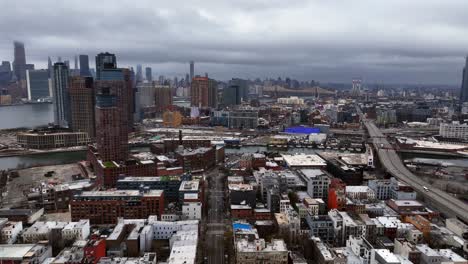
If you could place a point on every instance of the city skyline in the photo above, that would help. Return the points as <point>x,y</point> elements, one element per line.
<point>259,39</point>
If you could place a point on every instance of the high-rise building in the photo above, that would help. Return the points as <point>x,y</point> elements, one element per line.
<point>243,88</point>
<point>187,80</point>
<point>232,95</point>
<point>212,93</point>
<point>149,74</point>
<point>61,97</point>
<point>82,104</point>
<point>112,115</point>
<point>105,61</point>
<point>50,67</point>
<point>357,87</point>
<point>139,73</point>
<point>162,97</point>
<point>38,84</point>
<point>84,65</point>
<point>464,86</point>
<point>192,70</point>
<point>5,73</point>
<point>76,63</point>
<point>204,92</point>
<point>19,63</point>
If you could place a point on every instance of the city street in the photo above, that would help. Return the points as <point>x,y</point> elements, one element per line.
<point>215,220</point>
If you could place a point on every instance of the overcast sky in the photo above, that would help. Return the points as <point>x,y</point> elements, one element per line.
<point>397,41</point>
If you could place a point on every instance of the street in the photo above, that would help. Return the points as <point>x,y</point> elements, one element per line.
<point>215,220</point>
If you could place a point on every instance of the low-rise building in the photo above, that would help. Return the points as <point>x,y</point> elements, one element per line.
<point>317,181</point>
<point>321,226</point>
<point>258,251</point>
<point>40,231</point>
<point>382,188</point>
<point>242,194</point>
<point>76,230</point>
<point>26,216</point>
<point>360,193</point>
<point>429,255</point>
<point>304,161</point>
<point>50,139</point>
<point>457,227</point>
<point>197,159</point>
<point>10,232</point>
<point>105,207</point>
<point>25,253</point>
<point>169,184</point>
<point>192,210</point>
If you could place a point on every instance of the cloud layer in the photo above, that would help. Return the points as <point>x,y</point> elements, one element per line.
<point>418,41</point>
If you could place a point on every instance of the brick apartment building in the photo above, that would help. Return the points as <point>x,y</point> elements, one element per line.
<point>105,207</point>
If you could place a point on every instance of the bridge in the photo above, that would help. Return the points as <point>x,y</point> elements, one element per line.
<point>438,199</point>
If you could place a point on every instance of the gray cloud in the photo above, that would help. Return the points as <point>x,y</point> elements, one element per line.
<point>418,41</point>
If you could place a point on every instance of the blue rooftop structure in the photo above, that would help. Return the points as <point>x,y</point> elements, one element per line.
<point>237,226</point>
<point>302,130</point>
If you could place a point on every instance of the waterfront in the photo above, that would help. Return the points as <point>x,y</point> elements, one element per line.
<point>42,159</point>
<point>26,115</point>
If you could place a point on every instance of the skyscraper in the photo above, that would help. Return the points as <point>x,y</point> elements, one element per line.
<point>149,74</point>
<point>163,97</point>
<point>19,63</point>
<point>61,97</point>
<point>38,84</point>
<point>112,116</point>
<point>76,62</point>
<point>84,65</point>
<point>357,86</point>
<point>50,67</point>
<point>139,73</point>
<point>243,88</point>
<point>204,92</point>
<point>5,73</point>
<point>232,95</point>
<point>464,86</point>
<point>82,104</point>
<point>192,70</point>
<point>105,61</point>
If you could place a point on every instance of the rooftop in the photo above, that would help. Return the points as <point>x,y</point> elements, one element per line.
<point>388,256</point>
<point>304,160</point>
<point>312,173</point>
<point>119,193</point>
<point>148,179</point>
<point>426,250</point>
<point>358,189</point>
<point>240,187</point>
<point>450,255</point>
<point>189,186</point>
<point>407,203</point>
<point>14,252</point>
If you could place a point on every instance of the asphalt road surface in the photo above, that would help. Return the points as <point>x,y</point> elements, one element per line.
<point>442,201</point>
<point>215,226</point>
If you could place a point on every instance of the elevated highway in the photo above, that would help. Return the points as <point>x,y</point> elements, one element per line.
<point>438,199</point>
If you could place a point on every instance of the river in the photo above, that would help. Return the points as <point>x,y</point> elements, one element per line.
<point>70,157</point>
<point>27,115</point>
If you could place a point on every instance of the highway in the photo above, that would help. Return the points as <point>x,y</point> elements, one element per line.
<point>215,227</point>
<point>438,199</point>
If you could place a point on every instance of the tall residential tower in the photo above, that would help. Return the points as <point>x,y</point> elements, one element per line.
<point>464,86</point>
<point>61,97</point>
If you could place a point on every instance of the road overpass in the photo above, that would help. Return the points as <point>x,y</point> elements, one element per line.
<point>438,199</point>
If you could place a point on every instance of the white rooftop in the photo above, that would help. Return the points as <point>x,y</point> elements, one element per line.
<point>15,252</point>
<point>304,160</point>
<point>189,186</point>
